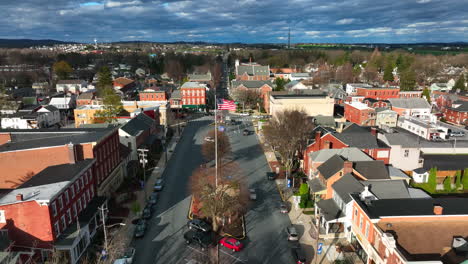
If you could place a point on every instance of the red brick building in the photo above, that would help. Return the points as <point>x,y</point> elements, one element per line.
<point>262,88</point>
<point>359,113</point>
<point>411,230</point>
<point>85,99</point>
<point>457,113</point>
<point>252,72</point>
<point>193,95</point>
<point>153,94</point>
<point>410,94</point>
<point>42,213</point>
<point>352,136</point>
<point>27,152</point>
<point>378,93</point>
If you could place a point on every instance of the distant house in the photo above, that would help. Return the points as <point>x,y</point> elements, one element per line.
<point>263,88</point>
<point>176,99</point>
<point>378,93</point>
<point>40,87</point>
<point>203,78</point>
<point>63,103</point>
<point>457,113</point>
<point>252,72</point>
<point>298,76</point>
<point>37,117</point>
<point>71,86</point>
<point>138,131</point>
<point>385,117</point>
<point>351,88</point>
<point>153,94</point>
<point>410,94</point>
<point>417,107</point>
<point>85,99</point>
<point>124,84</point>
<point>443,87</point>
<point>295,85</point>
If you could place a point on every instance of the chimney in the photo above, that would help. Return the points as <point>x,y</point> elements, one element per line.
<point>19,197</point>
<point>71,153</point>
<point>347,167</point>
<point>373,131</point>
<point>318,134</point>
<point>438,210</point>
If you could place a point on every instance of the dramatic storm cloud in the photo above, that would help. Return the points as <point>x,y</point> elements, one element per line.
<point>237,20</point>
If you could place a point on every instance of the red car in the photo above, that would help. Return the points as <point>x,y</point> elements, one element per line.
<point>231,243</point>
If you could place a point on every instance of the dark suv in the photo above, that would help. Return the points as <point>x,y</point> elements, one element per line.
<point>198,224</point>
<point>202,239</point>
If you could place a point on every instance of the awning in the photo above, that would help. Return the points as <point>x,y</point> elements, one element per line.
<point>329,210</point>
<point>194,106</point>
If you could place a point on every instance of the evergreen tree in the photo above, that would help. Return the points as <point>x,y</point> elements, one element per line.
<point>280,83</point>
<point>104,80</point>
<point>458,183</point>
<point>112,106</point>
<point>432,181</point>
<point>388,73</point>
<point>448,184</point>
<point>407,80</point>
<point>427,94</point>
<point>460,84</point>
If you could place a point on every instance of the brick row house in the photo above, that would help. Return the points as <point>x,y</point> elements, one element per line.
<point>354,135</point>
<point>457,113</point>
<point>360,113</point>
<point>378,93</point>
<point>193,95</point>
<point>65,168</point>
<point>252,72</point>
<point>414,230</point>
<point>153,94</point>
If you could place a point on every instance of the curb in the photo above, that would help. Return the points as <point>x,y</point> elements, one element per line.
<point>243,231</point>
<point>190,214</point>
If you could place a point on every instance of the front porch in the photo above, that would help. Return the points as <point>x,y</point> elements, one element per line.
<point>73,242</point>
<point>330,220</point>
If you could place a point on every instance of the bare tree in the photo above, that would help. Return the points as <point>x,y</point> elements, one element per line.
<point>344,73</point>
<point>224,147</point>
<point>224,201</point>
<point>216,74</point>
<point>288,133</point>
<point>248,98</point>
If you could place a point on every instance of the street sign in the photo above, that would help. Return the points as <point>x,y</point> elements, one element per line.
<point>221,128</point>
<point>289,183</point>
<point>319,248</point>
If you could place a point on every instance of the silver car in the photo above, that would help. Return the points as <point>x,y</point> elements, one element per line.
<point>292,233</point>
<point>253,194</point>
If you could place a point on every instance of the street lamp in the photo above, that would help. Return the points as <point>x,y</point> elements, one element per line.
<point>163,141</point>
<point>142,153</point>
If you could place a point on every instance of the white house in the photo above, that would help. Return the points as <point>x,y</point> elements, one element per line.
<point>72,86</point>
<point>295,85</point>
<point>63,103</point>
<point>51,113</point>
<point>298,76</point>
<point>45,116</point>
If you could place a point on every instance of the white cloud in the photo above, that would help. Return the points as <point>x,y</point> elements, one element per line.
<point>282,38</point>
<point>345,21</point>
<point>422,24</point>
<point>312,33</point>
<point>176,6</point>
<point>423,1</point>
<point>119,4</point>
<point>331,36</point>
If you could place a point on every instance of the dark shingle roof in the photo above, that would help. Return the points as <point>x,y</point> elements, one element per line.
<point>462,108</point>
<point>445,162</point>
<point>139,123</point>
<point>251,84</point>
<point>331,166</point>
<point>412,206</point>
<point>329,209</point>
<point>391,189</point>
<point>253,70</point>
<point>359,137</point>
<point>85,96</point>
<point>372,170</point>
<point>346,185</point>
<point>58,173</point>
<point>51,108</point>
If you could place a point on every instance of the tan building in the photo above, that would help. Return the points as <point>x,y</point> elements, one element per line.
<point>86,114</point>
<point>313,102</point>
<point>386,118</point>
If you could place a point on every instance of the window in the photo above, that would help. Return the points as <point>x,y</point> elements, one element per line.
<point>406,153</point>
<point>360,223</point>
<point>72,188</point>
<point>83,198</point>
<point>54,209</point>
<point>67,199</point>
<point>92,191</point>
<point>75,212</point>
<point>69,215</point>
<point>56,229</point>
<point>367,229</point>
<point>64,224</point>
<point>60,202</point>
<point>88,196</point>
<point>2,216</point>
<point>86,178</point>
<point>81,183</point>
<point>79,205</point>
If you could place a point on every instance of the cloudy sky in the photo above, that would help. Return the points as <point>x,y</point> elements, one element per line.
<point>248,21</point>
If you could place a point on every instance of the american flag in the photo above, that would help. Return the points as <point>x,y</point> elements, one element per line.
<point>224,104</point>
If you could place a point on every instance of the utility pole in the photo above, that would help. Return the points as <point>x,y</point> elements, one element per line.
<point>104,227</point>
<point>216,142</point>
<point>142,154</point>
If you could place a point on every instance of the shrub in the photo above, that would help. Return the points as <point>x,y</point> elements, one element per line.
<point>304,189</point>
<point>448,184</point>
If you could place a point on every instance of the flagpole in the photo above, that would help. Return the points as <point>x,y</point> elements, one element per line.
<point>216,142</point>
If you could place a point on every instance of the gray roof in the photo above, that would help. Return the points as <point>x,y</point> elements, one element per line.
<point>413,140</point>
<point>359,137</point>
<point>397,173</point>
<point>291,84</point>
<point>462,108</point>
<point>327,121</point>
<point>37,138</point>
<point>71,82</point>
<point>47,183</point>
<point>85,96</point>
<point>253,70</point>
<point>141,122</point>
<point>331,166</point>
<point>316,185</point>
<point>398,139</point>
<point>251,84</point>
<point>391,189</point>
<point>373,169</point>
<point>418,193</point>
<point>199,77</point>
<point>409,103</point>
<point>51,108</point>
<point>329,209</point>
<point>346,185</point>
<point>192,85</point>
<point>176,94</point>
<point>351,154</point>
<point>445,162</point>
<point>300,75</point>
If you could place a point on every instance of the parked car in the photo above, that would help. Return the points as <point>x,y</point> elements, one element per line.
<point>457,134</point>
<point>292,233</point>
<point>233,122</point>
<point>271,176</point>
<point>158,186</point>
<point>199,224</point>
<point>202,239</point>
<point>140,228</point>
<point>298,254</point>
<point>284,208</point>
<point>231,243</point>
<point>209,139</point>
<point>253,194</point>
<point>153,199</point>
<point>437,138</point>
<point>245,132</point>
<point>127,257</point>
<point>147,213</point>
